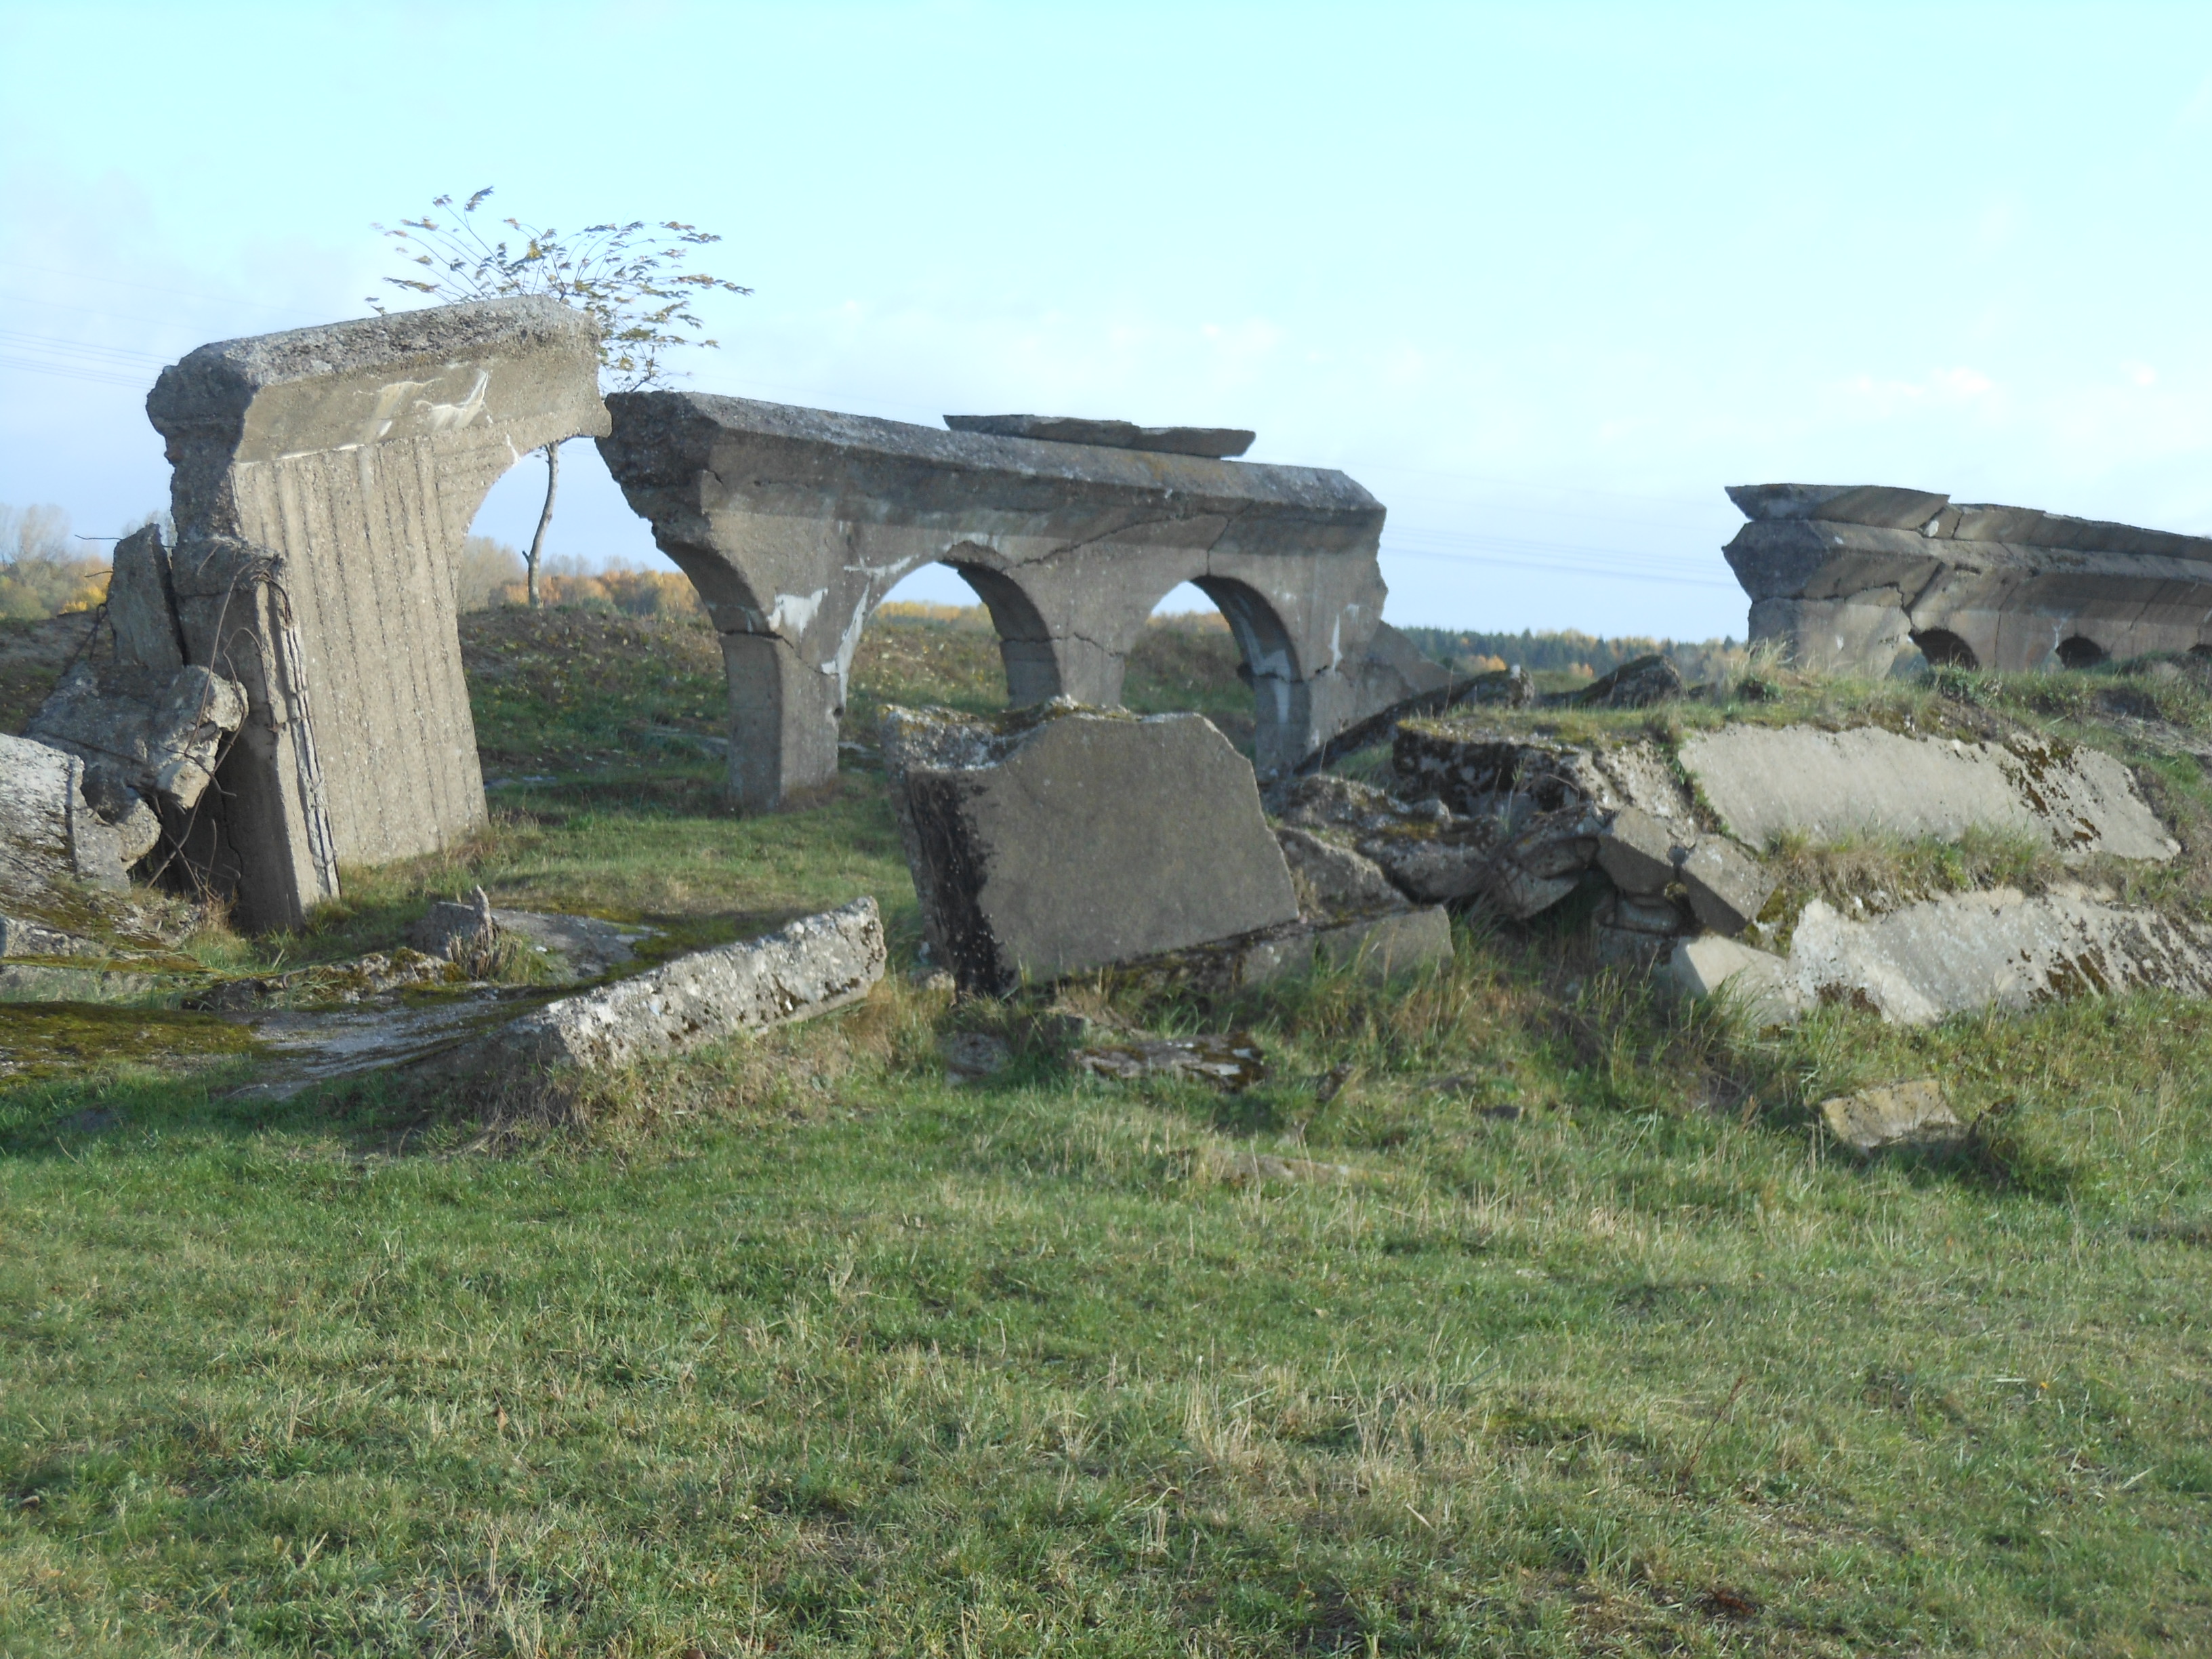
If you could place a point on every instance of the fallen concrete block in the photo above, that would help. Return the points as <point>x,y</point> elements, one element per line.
<point>50,835</point>
<point>1334,880</point>
<point>324,480</point>
<point>1637,684</point>
<point>152,733</point>
<point>1768,780</point>
<point>811,967</point>
<point>1900,1115</point>
<point>1727,887</point>
<point>1638,852</point>
<point>1062,839</point>
<point>1761,982</point>
<point>1380,948</point>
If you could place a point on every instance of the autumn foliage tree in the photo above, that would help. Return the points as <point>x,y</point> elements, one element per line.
<point>631,278</point>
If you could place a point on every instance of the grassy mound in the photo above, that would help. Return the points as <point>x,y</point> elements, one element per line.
<point>1512,1313</point>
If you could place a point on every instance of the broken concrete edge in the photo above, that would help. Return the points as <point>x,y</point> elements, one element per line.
<point>1509,685</point>
<point>814,965</point>
<point>1214,442</point>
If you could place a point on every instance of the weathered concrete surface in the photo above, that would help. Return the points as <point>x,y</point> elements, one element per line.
<point>1954,955</point>
<point>1333,880</point>
<point>793,523</point>
<point>1765,781</point>
<point>811,967</point>
<point>1899,1115</point>
<point>150,734</point>
<point>1064,839</point>
<point>1374,948</point>
<point>573,947</point>
<point>50,835</point>
<point>1215,442</point>
<point>1843,578</point>
<point>325,479</point>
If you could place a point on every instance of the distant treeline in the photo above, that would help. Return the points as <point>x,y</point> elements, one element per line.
<point>1570,652</point>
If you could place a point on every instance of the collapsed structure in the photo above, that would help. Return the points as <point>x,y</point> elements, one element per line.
<point>1843,578</point>
<point>793,523</point>
<point>325,479</point>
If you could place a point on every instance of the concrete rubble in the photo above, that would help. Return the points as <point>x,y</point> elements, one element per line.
<point>1055,840</point>
<point>325,479</point>
<point>793,523</point>
<point>812,966</point>
<point>1845,578</point>
<point>53,833</point>
<point>1899,1115</point>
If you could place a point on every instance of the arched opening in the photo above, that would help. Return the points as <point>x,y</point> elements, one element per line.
<point>934,639</point>
<point>1944,649</point>
<point>2078,651</point>
<point>1216,647</point>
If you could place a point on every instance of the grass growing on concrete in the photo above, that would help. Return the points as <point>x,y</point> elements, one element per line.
<point>793,1347</point>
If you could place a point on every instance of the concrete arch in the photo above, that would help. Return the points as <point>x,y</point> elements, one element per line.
<point>1944,649</point>
<point>2078,651</point>
<point>804,519</point>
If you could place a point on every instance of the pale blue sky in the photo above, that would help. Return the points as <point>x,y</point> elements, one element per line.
<point>1543,277</point>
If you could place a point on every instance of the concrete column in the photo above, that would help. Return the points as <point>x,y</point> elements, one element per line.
<point>783,724</point>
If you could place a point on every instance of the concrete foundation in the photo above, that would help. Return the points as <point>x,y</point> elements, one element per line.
<point>793,523</point>
<point>324,480</point>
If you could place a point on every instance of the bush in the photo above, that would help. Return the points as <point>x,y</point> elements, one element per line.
<point>42,575</point>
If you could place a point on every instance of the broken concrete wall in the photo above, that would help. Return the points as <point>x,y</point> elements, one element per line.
<point>793,523</point>
<point>1843,578</point>
<point>1063,839</point>
<point>324,480</point>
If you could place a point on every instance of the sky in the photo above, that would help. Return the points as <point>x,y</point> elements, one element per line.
<point>1543,277</point>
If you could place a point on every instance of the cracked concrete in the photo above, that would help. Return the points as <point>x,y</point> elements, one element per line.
<point>1068,545</point>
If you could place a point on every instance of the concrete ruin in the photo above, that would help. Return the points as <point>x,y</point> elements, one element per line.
<point>325,479</point>
<point>1066,839</point>
<point>793,523</point>
<point>1844,578</point>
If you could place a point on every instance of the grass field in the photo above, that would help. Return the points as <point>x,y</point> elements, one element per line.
<point>795,1348</point>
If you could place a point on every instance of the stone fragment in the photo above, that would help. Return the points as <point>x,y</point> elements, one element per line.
<point>1901,1115</point>
<point>50,835</point>
<point>325,479</point>
<point>1638,851</point>
<point>1334,880</point>
<point>1064,839</point>
<point>1761,982</point>
<point>972,1055</point>
<point>814,965</point>
<point>1232,1062</point>
<point>1215,442</point>
<point>1727,886</point>
<point>149,733</point>
<point>1766,780</point>
<point>1637,684</point>
<point>577,947</point>
<point>142,607</point>
<point>794,523</point>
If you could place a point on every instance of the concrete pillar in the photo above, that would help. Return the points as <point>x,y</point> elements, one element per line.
<point>324,480</point>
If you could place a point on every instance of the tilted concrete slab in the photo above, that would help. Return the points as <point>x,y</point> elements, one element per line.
<point>1844,578</point>
<point>793,523</point>
<point>324,480</point>
<point>1045,844</point>
<point>1763,782</point>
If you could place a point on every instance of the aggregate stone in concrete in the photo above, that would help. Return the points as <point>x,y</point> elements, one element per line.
<point>325,479</point>
<point>1898,1114</point>
<point>1066,839</point>
<point>1216,442</point>
<point>1763,782</point>
<point>812,966</point>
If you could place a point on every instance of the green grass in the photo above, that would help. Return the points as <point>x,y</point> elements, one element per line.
<point>793,1348</point>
